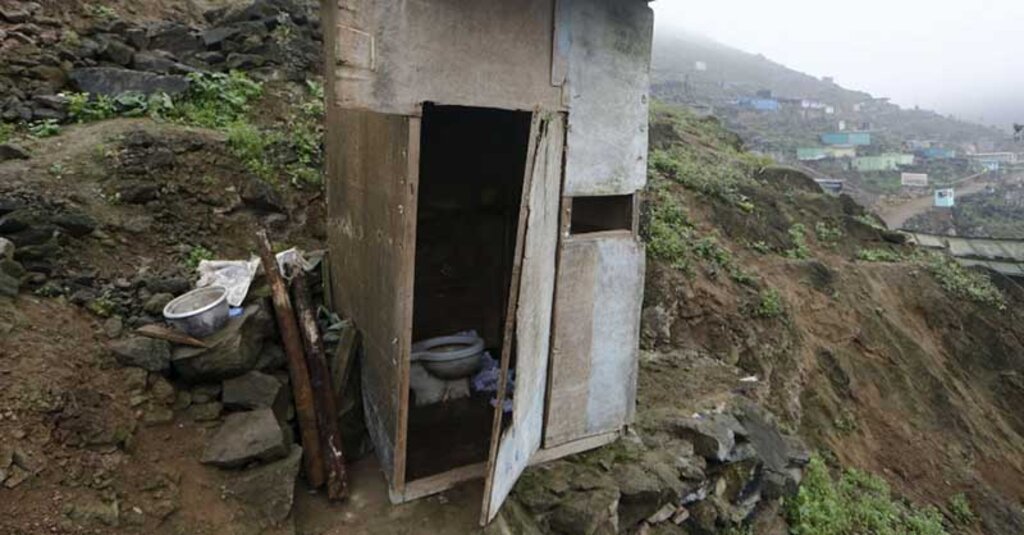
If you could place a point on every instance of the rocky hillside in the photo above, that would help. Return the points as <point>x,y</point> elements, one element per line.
<point>899,369</point>
<point>803,371</point>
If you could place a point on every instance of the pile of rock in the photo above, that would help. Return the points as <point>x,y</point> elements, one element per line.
<point>696,475</point>
<point>240,385</point>
<point>30,240</point>
<point>272,39</point>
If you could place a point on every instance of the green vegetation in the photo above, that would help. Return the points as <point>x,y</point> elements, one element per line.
<point>216,100</point>
<point>769,304</point>
<point>856,504</point>
<point>798,235</point>
<point>870,221</point>
<point>668,231</point>
<point>961,511</point>
<point>828,235</point>
<point>101,12</point>
<point>709,161</point>
<point>878,255</point>
<point>197,254</point>
<point>46,128</point>
<point>6,132</point>
<point>964,283</point>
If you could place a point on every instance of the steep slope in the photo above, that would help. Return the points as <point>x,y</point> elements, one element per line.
<point>886,359</point>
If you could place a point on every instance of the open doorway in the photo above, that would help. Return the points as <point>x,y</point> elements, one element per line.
<point>472,163</point>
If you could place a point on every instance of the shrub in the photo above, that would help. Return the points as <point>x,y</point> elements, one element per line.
<point>252,146</point>
<point>6,132</point>
<point>878,255</point>
<point>798,235</point>
<point>828,234</point>
<point>216,100</point>
<point>769,304</point>
<point>964,283</point>
<point>668,231</point>
<point>45,128</point>
<point>856,504</point>
<point>197,254</point>
<point>960,510</point>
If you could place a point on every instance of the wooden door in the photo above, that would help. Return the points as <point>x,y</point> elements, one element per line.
<point>373,170</point>
<point>532,296</point>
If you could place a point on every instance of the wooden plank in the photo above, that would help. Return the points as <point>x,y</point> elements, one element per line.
<point>596,338</point>
<point>574,447</point>
<point>393,56</point>
<point>512,449</point>
<point>426,486</point>
<point>323,392</point>
<point>609,81</point>
<point>163,333</point>
<point>571,345</point>
<point>371,200</point>
<point>302,390</point>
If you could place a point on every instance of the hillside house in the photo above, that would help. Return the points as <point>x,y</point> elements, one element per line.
<point>882,162</point>
<point>484,161</point>
<point>846,139</point>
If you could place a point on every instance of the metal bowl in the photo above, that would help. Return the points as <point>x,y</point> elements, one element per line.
<point>199,313</point>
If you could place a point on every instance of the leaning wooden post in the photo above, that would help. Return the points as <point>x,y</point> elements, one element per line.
<point>301,388</point>
<point>323,393</point>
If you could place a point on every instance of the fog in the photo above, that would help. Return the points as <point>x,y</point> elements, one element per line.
<point>959,58</point>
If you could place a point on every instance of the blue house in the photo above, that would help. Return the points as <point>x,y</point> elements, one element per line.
<point>848,139</point>
<point>759,104</point>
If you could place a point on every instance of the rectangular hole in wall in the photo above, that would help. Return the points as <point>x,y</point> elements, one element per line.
<point>601,214</point>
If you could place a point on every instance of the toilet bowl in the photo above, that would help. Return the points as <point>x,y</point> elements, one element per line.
<point>450,357</point>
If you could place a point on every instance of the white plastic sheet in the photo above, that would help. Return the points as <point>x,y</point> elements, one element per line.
<point>237,275</point>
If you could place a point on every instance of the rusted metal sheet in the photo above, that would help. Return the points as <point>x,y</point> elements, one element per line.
<point>392,56</point>
<point>607,86</point>
<point>373,170</point>
<point>512,449</point>
<point>597,321</point>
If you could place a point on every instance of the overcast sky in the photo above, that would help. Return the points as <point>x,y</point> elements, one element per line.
<point>959,57</point>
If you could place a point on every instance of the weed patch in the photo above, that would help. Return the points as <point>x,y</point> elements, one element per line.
<point>878,255</point>
<point>798,236</point>
<point>855,504</point>
<point>964,283</point>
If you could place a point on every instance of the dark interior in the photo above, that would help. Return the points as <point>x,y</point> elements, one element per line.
<point>472,162</point>
<point>601,214</point>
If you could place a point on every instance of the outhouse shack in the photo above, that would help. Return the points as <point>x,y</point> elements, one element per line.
<point>484,161</point>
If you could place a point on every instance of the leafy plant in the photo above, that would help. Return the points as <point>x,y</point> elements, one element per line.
<point>855,504</point>
<point>878,255</point>
<point>101,11</point>
<point>252,145</point>
<point>6,132</point>
<point>963,282</point>
<point>668,231</point>
<point>769,304</point>
<point>83,108</point>
<point>798,235</point>
<point>57,170</point>
<point>828,234</point>
<point>216,100</point>
<point>197,254</point>
<point>961,511</point>
<point>44,128</point>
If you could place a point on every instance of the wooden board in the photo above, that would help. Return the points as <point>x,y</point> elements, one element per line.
<point>512,448</point>
<point>372,172</point>
<point>592,388</point>
<point>392,56</point>
<point>608,83</point>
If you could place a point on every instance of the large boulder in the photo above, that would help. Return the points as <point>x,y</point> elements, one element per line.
<point>140,352</point>
<point>254,390</point>
<point>245,437</point>
<point>9,285</point>
<point>235,349</point>
<point>114,81</point>
<point>713,435</point>
<point>592,512</point>
<point>9,151</point>
<point>268,490</point>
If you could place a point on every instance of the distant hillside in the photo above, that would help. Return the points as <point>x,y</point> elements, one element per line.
<point>729,74</point>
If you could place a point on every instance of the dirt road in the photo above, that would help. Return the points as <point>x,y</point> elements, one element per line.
<point>897,214</point>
